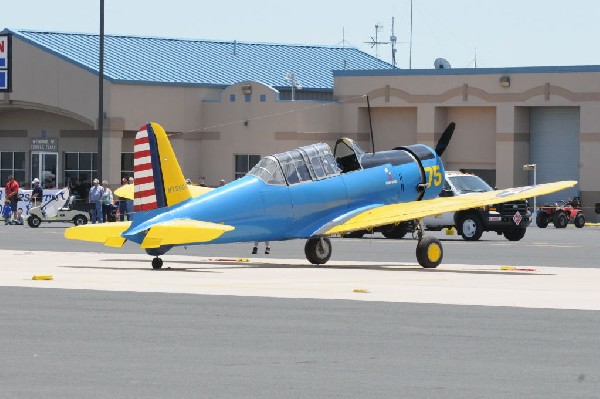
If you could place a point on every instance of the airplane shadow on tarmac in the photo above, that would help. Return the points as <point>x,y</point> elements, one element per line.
<point>204,267</point>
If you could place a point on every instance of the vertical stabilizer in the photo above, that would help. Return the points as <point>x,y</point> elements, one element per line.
<point>158,179</point>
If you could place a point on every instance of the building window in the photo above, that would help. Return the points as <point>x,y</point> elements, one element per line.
<point>247,97</point>
<point>263,98</point>
<point>232,98</point>
<point>80,166</point>
<point>243,164</point>
<point>12,163</point>
<point>127,164</point>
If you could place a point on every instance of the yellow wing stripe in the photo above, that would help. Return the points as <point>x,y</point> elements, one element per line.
<point>395,213</point>
<point>181,232</point>
<point>107,233</point>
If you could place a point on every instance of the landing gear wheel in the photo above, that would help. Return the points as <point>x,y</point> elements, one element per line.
<point>157,263</point>
<point>79,220</point>
<point>515,235</point>
<point>429,252</point>
<point>318,250</point>
<point>560,221</point>
<point>471,227</point>
<point>34,221</point>
<point>579,221</point>
<point>541,220</point>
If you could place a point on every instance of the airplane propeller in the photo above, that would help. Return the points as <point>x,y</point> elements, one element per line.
<point>445,139</point>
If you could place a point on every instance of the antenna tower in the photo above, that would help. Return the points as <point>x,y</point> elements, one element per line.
<point>375,40</point>
<point>393,40</point>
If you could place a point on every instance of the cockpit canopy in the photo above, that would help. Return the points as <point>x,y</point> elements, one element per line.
<point>308,163</point>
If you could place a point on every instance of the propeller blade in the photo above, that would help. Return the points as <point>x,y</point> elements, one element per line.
<point>445,139</point>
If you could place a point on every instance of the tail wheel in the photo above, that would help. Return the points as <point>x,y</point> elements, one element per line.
<point>157,263</point>
<point>318,250</point>
<point>541,220</point>
<point>471,227</point>
<point>560,220</point>
<point>34,221</point>
<point>429,252</point>
<point>579,221</point>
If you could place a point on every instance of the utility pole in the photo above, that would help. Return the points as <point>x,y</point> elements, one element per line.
<point>100,93</point>
<point>411,33</point>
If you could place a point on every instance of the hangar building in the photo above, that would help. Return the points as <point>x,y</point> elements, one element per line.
<point>226,104</point>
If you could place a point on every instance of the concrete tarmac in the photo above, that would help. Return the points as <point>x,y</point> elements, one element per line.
<point>458,284</point>
<point>217,322</point>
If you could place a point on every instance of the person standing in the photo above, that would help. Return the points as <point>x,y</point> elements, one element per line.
<point>107,202</point>
<point>255,248</point>
<point>123,203</point>
<point>130,203</point>
<point>11,191</point>
<point>37,194</point>
<point>95,201</point>
<point>6,211</point>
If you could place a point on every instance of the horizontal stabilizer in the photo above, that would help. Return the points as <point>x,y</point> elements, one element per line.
<point>395,213</point>
<point>181,232</point>
<point>107,233</point>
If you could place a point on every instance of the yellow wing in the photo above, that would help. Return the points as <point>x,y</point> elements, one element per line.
<point>126,191</point>
<point>180,232</point>
<point>107,233</point>
<point>395,213</point>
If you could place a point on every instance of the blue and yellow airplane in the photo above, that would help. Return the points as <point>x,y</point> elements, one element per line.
<point>307,193</point>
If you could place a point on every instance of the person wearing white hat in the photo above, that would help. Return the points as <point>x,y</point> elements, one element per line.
<point>37,194</point>
<point>95,201</point>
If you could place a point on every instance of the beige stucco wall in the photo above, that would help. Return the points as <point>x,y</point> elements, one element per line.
<point>207,129</point>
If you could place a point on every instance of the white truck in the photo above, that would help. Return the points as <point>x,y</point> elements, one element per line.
<point>510,219</point>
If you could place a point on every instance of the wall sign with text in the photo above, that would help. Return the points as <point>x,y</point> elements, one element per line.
<point>5,62</point>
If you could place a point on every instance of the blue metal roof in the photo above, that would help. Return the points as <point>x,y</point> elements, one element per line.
<point>141,60</point>
<point>471,71</point>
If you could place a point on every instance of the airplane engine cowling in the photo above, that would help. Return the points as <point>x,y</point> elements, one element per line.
<point>407,161</point>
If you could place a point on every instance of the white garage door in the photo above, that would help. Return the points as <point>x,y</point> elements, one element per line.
<point>554,147</point>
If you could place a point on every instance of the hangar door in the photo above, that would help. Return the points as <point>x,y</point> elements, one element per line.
<point>554,147</point>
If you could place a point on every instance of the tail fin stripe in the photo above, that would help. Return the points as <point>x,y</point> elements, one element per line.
<point>144,174</point>
<point>141,154</point>
<point>145,161</point>
<point>147,203</point>
<point>145,188</point>
<point>145,181</point>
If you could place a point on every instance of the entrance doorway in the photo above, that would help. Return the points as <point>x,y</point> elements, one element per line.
<point>44,166</point>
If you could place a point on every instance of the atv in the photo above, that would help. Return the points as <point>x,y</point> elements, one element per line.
<point>560,214</point>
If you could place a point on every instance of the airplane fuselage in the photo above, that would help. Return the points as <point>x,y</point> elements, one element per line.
<point>267,212</point>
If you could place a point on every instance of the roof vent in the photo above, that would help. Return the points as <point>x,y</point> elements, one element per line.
<point>441,63</point>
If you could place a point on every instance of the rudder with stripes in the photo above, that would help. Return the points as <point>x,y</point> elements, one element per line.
<point>158,180</point>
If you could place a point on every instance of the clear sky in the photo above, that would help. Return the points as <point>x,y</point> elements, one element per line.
<point>492,33</point>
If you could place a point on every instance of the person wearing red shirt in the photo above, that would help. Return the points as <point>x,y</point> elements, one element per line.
<point>12,193</point>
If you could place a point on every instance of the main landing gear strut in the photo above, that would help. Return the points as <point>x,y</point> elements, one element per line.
<point>429,249</point>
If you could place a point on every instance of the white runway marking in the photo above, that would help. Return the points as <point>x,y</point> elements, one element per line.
<point>485,285</point>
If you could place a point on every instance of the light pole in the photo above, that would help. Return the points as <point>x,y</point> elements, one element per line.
<point>532,166</point>
<point>100,92</point>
